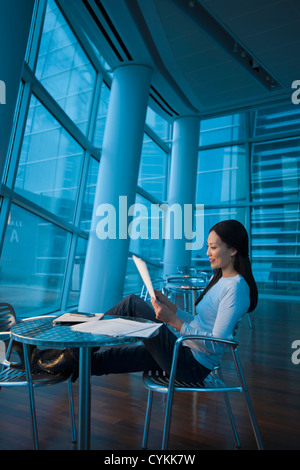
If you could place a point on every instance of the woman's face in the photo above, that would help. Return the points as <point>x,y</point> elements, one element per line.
<point>220,256</point>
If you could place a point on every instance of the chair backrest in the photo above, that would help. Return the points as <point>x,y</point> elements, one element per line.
<point>7,316</point>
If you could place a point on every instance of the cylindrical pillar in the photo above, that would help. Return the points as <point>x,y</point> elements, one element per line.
<point>15,20</point>
<point>108,246</point>
<point>182,192</point>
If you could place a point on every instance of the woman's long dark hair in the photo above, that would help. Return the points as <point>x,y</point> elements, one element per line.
<point>234,234</point>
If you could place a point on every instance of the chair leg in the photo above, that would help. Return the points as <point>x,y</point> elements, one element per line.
<point>147,419</point>
<point>248,401</point>
<point>31,397</point>
<point>167,420</point>
<point>234,430</point>
<point>230,414</point>
<point>72,414</point>
<point>253,420</point>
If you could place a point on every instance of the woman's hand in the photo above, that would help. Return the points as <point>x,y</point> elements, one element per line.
<point>165,310</point>
<point>164,300</point>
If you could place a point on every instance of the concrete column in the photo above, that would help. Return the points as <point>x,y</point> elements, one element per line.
<point>182,191</point>
<point>15,21</point>
<point>107,253</point>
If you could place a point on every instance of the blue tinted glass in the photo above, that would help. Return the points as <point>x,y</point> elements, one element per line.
<point>78,267</point>
<point>160,126</point>
<point>153,169</point>
<point>64,69</point>
<point>33,263</point>
<point>50,163</point>
<point>221,176</point>
<point>101,115</point>
<point>276,170</point>
<point>276,248</point>
<point>89,195</point>
<point>274,121</point>
<point>222,129</point>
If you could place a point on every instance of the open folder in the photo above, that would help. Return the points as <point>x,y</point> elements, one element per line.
<point>117,327</point>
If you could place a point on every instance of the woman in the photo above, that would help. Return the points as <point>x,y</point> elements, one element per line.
<point>230,293</point>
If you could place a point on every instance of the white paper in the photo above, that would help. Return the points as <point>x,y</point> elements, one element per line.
<point>143,270</point>
<point>118,327</point>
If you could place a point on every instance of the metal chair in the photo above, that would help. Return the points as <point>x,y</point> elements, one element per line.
<point>10,376</point>
<point>160,383</point>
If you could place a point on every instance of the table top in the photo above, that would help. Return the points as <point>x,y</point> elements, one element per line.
<point>43,332</point>
<point>183,287</point>
<point>185,283</point>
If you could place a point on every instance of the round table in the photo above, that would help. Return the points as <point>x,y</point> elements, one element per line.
<point>43,332</point>
<point>185,285</point>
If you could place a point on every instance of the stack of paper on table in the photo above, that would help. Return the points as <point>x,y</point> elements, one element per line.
<point>118,327</point>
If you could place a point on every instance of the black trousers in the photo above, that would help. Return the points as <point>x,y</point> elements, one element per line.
<point>154,354</point>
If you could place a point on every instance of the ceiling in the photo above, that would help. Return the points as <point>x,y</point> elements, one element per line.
<point>208,56</point>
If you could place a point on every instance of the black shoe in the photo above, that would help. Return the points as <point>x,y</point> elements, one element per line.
<point>18,348</point>
<point>52,361</point>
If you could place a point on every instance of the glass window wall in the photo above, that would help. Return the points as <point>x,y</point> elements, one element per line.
<point>222,129</point>
<point>153,169</point>
<point>33,263</point>
<point>222,175</point>
<point>160,126</point>
<point>276,170</point>
<point>275,219</point>
<point>50,163</point>
<point>89,195</point>
<point>51,179</point>
<point>77,273</point>
<point>278,120</point>
<point>64,69</point>
<point>101,115</point>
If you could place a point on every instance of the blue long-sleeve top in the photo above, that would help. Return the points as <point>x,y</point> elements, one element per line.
<point>217,314</point>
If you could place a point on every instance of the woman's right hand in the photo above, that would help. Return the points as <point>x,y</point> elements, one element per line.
<point>165,310</point>
<point>164,300</point>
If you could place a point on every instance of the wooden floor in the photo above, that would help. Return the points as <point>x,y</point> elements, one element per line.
<point>199,421</point>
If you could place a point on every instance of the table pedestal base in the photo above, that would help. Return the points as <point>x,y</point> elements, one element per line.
<point>84,424</point>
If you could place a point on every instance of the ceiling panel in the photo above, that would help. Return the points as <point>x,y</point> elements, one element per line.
<point>270,31</point>
<point>194,71</point>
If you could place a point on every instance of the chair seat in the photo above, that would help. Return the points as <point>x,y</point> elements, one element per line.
<point>12,377</point>
<point>158,381</point>
<point>12,374</point>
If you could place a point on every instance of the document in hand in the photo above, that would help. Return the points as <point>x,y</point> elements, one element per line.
<point>143,270</point>
<point>118,327</point>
